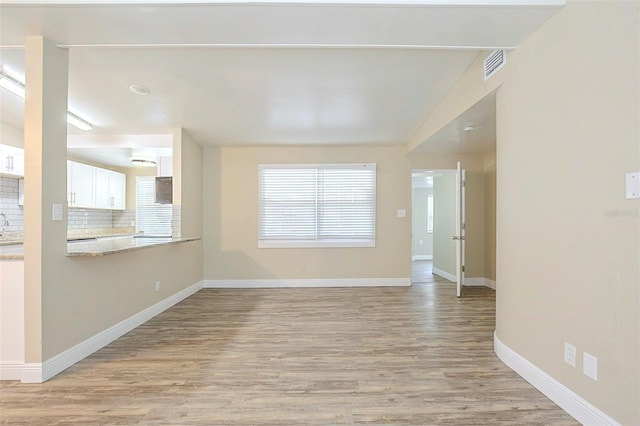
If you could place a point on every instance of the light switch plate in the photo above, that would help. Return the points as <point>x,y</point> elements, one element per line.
<point>57,212</point>
<point>632,185</point>
<point>402,213</point>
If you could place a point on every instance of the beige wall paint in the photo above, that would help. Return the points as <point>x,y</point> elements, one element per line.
<point>231,217</point>
<point>567,134</point>
<point>490,216</point>
<point>132,173</point>
<point>467,91</point>
<point>422,241</point>
<point>45,184</point>
<point>70,299</point>
<point>11,311</point>
<point>188,183</point>
<point>105,290</point>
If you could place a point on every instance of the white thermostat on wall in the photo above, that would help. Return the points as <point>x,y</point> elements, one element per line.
<point>632,186</point>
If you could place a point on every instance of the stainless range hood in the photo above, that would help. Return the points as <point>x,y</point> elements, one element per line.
<point>164,189</point>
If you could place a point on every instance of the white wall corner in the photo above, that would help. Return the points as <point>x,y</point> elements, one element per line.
<point>291,283</point>
<point>568,400</point>
<point>444,274</point>
<point>38,373</point>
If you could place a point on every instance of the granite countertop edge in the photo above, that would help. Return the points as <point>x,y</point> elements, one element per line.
<point>93,248</point>
<point>88,252</point>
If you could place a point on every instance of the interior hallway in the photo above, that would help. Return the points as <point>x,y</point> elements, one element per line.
<point>422,272</point>
<point>379,355</point>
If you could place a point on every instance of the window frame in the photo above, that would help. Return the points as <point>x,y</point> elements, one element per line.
<point>318,242</point>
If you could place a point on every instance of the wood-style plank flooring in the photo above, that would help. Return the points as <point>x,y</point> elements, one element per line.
<point>297,356</point>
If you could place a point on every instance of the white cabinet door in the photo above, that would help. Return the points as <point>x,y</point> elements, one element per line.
<point>11,161</point>
<point>95,187</point>
<point>81,184</point>
<point>117,191</point>
<point>102,189</point>
<point>110,189</point>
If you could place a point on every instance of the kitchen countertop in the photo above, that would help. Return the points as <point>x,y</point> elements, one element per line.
<point>98,247</point>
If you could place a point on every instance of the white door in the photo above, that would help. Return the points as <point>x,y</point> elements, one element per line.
<point>460,228</point>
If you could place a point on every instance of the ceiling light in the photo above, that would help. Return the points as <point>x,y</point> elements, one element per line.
<point>17,88</point>
<point>143,162</point>
<point>469,128</point>
<point>78,122</point>
<point>139,90</point>
<point>12,85</point>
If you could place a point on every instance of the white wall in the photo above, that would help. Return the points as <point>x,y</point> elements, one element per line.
<point>421,239</point>
<point>10,135</point>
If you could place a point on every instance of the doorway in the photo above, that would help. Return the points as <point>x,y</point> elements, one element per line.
<point>433,251</point>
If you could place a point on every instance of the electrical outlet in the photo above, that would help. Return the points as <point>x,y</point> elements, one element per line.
<point>570,354</point>
<point>590,366</point>
<point>157,285</point>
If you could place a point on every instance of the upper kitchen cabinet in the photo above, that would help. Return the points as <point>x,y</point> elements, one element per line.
<point>11,161</point>
<point>94,187</point>
<point>110,189</point>
<point>81,185</point>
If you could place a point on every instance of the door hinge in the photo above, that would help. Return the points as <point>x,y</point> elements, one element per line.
<point>462,268</point>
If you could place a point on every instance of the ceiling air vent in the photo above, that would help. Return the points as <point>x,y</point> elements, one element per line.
<point>494,62</point>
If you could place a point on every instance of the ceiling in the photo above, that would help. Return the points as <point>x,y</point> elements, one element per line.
<point>472,132</point>
<point>267,73</point>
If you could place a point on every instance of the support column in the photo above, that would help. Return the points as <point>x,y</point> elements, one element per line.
<point>45,133</point>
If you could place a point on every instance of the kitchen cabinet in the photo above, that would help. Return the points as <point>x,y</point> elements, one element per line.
<point>81,185</point>
<point>11,161</point>
<point>110,189</point>
<point>94,187</point>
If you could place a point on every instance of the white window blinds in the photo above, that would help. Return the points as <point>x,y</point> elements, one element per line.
<point>151,218</point>
<point>317,205</point>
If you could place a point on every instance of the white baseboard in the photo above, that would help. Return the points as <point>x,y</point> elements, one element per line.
<point>290,283</point>
<point>444,274</point>
<point>421,257</point>
<point>568,400</point>
<point>41,372</point>
<point>484,282</point>
<point>10,370</point>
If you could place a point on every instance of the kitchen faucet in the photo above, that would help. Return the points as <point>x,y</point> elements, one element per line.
<point>3,222</point>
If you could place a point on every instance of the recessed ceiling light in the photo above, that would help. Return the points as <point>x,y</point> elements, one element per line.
<point>139,90</point>
<point>469,128</point>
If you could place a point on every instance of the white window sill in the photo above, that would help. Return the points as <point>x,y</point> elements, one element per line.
<point>315,244</point>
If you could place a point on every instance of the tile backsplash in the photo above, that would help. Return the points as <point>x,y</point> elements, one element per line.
<point>77,218</point>
<point>9,205</point>
<point>100,219</point>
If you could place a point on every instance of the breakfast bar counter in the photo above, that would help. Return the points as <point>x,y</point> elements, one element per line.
<point>99,246</point>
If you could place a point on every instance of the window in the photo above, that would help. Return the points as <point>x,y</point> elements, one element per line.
<point>430,213</point>
<point>151,218</point>
<point>329,205</point>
